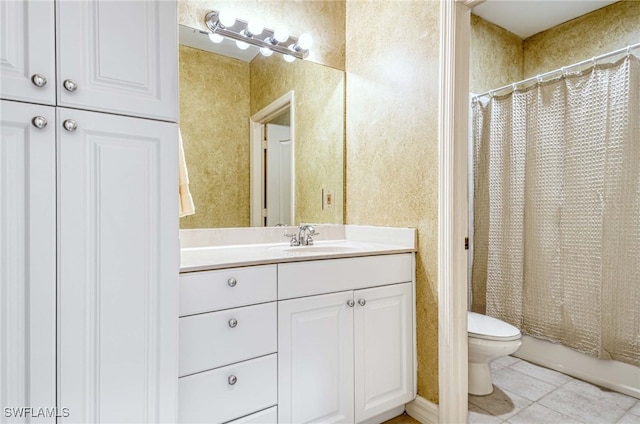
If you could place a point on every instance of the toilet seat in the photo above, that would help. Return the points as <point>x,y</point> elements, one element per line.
<point>488,328</point>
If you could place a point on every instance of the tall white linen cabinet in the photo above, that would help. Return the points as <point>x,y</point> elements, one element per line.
<point>89,250</point>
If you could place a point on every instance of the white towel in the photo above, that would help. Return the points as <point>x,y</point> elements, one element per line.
<point>186,201</point>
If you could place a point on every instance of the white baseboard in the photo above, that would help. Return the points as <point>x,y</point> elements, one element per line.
<point>423,410</point>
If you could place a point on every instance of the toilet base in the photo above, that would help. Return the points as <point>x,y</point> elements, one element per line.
<point>480,379</point>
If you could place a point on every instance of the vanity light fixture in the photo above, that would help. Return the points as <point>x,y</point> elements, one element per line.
<point>267,40</point>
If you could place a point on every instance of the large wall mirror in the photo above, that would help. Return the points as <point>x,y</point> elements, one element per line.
<point>229,98</point>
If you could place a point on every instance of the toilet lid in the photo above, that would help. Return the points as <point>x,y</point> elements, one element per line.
<point>489,328</point>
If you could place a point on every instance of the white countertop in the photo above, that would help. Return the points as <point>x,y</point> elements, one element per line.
<point>358,241</point>
<point>208,258</point>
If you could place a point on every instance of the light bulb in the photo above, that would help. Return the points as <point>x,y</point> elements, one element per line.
<point>305,41</point>
<point>226,19</point>
<point>288,58</point>
<point>242,45</point>
<point>255,27</point>
<point>266,51</point>
<point>216,38</point>
<point>281,34</point>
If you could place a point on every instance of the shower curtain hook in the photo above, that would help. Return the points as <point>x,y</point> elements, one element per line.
<point>514,87</point>
<point>564,71</point>
<point>539,78</point>
<point>628,49</point>
<point>593,60</point>
<point>491,93</point>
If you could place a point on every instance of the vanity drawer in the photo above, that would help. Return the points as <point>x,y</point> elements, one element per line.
<point>298,279</point>
<point>268,416</point>
<point>219,338</point>
<point>209,397</point>
<point>208,291</point>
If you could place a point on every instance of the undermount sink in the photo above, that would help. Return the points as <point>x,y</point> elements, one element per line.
<point>322,249</point>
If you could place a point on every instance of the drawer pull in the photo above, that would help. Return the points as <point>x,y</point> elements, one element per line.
<point>232,282</point>
<point>233,323</point>
<point>362,302</point>
<point>232,380</point>
<point>350,303</point>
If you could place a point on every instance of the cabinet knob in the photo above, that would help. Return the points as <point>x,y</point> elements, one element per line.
<point>233,323</point>
<point>362,302</point>
<point>39,122</point>
<point>70,125</point>
<point>232,380</point>
<point>232,282</point>
<point>39,80</point>
<point>70,85</point>
<point>350,303</point>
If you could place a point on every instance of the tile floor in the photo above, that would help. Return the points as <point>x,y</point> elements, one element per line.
<point>525,393</point>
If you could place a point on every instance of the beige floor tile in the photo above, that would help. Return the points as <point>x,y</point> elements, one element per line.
<point>548,376</point>
<point>537,414</point>
<point>506,361</point>
<point>629,418</point>
<point>496,366</point>
<point>521,384</point>
<point>635,409</point>
<point>480,416</point>
<point>587,403</point>
<point>501,403</point>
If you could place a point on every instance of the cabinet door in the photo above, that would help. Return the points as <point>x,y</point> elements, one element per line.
<point>315,359</point>
<point>27,258</point>
<point>383,349</point>
<point>122,56</point>
<point>118,263</point>
<point>27,49</point>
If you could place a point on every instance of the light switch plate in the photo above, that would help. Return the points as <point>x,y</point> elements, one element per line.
<point>327,199</point>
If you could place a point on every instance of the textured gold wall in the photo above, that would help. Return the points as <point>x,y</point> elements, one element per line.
<point>599,32</point>
<point>319,129</point>
<point>214,121</point>
<point>392,142</point>
<point>496,56</point>
<point>324,20</point>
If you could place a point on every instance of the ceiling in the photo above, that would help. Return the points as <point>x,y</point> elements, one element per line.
<point>528,17</point>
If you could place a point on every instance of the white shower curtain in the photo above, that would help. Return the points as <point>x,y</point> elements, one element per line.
<point>557,210</point>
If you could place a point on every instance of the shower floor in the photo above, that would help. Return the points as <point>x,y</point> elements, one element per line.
<point>527,393</point>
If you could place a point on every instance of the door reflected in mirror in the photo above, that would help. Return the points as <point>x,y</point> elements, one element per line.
<point>222,100</point>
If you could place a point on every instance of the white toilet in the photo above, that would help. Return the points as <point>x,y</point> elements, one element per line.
<point>489,338</point>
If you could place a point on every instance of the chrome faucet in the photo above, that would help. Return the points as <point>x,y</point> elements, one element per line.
<point>304,236</point>
<point>310,231</point>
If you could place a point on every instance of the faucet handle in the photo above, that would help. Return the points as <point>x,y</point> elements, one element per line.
<point>311,232</point>
<point>294,239</point>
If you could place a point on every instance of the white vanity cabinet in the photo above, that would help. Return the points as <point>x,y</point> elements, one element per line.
<point>345,356</point>
<point>336,347</point>
<point>228,343</point>
<point>101,55</point>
